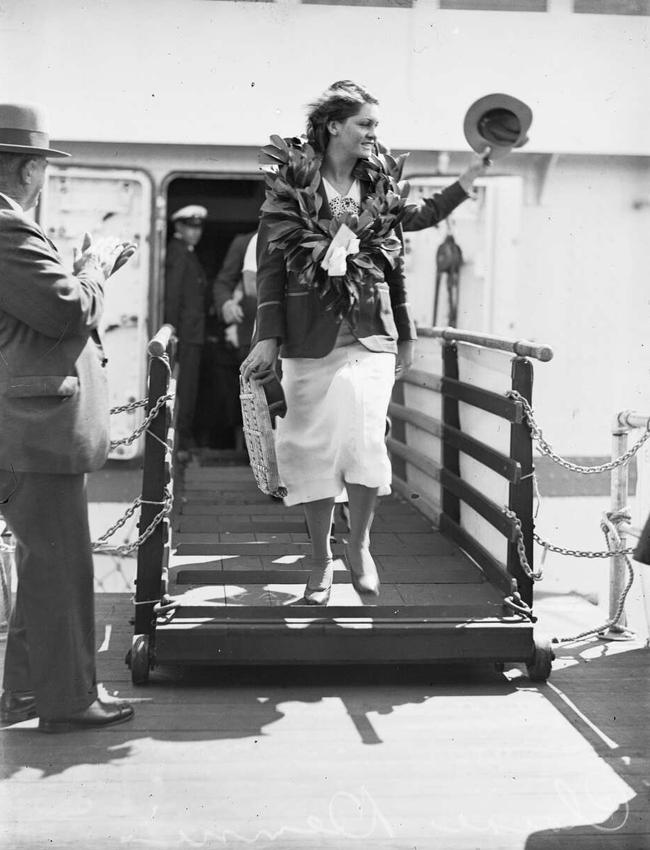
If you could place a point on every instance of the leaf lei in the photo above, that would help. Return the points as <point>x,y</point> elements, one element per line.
<point>293,212</point>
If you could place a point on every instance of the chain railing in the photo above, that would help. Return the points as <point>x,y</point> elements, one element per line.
<point>102,546</point>
<point>546,448</point>
<point>614,523</point>
<point>139,431</point>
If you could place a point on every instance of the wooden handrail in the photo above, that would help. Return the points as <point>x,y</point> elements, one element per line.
<point>158,343</point>
<point>522,347</point>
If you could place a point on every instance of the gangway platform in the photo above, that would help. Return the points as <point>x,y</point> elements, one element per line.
<point>237,575</point>
<point>223,581</point>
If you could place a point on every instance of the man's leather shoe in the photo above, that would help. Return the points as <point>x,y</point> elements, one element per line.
<point>16,706</point>
<point>96,716</point>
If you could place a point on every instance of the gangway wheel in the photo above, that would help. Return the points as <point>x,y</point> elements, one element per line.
<point>140,660</point>
<point>539,667</point>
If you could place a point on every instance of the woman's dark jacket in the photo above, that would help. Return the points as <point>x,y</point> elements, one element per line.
<point>299,317</point>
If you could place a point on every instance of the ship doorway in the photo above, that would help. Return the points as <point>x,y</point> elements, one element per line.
<point>233,204</point>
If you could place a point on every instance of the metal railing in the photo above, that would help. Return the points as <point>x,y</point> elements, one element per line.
<point>625,423</point>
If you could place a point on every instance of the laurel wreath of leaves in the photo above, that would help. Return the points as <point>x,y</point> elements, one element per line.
<point>292,210</point>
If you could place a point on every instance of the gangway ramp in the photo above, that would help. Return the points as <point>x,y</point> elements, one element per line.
<point>237,575</point>
<point>221,581</point>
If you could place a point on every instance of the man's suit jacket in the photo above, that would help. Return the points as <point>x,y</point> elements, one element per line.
<point>185,293</point>
<point>299,317</point>
<point>54,406</point>
<point>230,275</point>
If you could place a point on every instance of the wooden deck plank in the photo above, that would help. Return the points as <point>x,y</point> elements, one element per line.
<point>266,570</point>
<point>453,756</point>
<point>255,559</point>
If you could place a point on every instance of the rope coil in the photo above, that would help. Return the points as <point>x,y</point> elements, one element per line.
<point>609,528</point>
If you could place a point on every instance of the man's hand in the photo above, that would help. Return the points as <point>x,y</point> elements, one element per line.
<point>108,255</point>
<point>261,357</point>
<point>477,168</point>
<point>232,312</point>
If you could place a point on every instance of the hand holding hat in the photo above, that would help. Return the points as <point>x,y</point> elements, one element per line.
<point>498,121</point>
<point>493,125</point>
<point>477,168</point>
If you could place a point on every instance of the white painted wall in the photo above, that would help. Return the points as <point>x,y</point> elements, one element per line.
<point>233,72</point>
<point>227,74</point>
<point>585,289</point>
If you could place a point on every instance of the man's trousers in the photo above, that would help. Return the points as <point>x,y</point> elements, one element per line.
<point>189,365</point>
<point>51,641</point>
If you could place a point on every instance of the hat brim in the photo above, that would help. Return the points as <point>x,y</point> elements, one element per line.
<point>27,149</point>
<point>490,102</point>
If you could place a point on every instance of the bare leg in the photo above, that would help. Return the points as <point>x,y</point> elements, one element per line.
<point>318,515</point>
<point>362,502</point>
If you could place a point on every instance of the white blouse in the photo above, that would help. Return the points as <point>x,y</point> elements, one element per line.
<point>342,204</point>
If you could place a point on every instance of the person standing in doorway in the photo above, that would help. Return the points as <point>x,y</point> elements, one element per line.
<point>234,300</point>
<point>185,309</point>
<point>54,428</point>
<point>235,291</point>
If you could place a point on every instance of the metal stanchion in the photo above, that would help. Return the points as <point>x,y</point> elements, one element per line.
<point>618,502</point>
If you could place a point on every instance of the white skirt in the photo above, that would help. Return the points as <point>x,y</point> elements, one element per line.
<point>333,432</point>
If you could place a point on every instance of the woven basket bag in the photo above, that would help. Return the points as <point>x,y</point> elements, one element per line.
<point>262,399</point>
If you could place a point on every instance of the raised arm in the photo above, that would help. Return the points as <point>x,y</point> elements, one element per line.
<point>36,287</point>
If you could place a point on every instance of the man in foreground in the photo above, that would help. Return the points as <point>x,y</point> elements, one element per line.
<point>54,428</point>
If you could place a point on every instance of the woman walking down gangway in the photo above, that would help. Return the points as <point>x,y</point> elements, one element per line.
<point>332,304</point>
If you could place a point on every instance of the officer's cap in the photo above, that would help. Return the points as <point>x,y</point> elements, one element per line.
<point>192,215</point>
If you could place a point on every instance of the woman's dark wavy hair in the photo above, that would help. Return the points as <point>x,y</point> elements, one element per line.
<point>341,100</point>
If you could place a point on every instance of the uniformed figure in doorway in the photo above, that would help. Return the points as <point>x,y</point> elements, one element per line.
<point>185,309</point>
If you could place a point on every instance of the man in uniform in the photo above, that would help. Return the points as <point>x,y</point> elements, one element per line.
<point>54,428</point>
<point>185,309</point>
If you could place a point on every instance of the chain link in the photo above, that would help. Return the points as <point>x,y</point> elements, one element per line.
<point>521,548</point>
<point>128,548</point>
<point>546,449</point>
<point>578,553</point>
<point>609,528</point>
<point>126,441</point>
<point>132,405</point>
<point>120,523</point>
